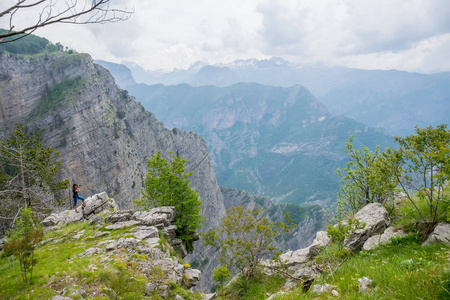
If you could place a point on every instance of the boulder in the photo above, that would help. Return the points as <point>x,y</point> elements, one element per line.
<point>94,205</point>
<point>169,232</point>
<point>95,219</point>
<point>376,220</point>
<point>99,203</point>
<point>385,238</point>
<point>322,239</point>
<point>192,277</point>
<point>158,215</point>
<point>440,234</point>
<point>173,270</point>
<point>300,258</point>
<point>365,285</point>
<point>119,216</point>
<point>273,296</point>
<point>302,274</point>
<point>178,297</point>
<point>322,288</point>
<point>121,225</point>
<point>209,296</point>
<point>145,232</point>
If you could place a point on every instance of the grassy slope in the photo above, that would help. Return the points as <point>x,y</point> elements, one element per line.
<point>59,267</point>
<point>401,270</point>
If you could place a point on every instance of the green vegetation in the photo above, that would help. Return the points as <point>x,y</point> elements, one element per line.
<point>61,94</point>
<point>426,156</point>
<point>28,177</point>
<point>245,237</point>
<point>166,184</point>
<point>221,275</point>
<point>29,45</point>
<point>60,268</point>
<point>23,239</point>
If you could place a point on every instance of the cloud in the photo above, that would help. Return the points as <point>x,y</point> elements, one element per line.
<point>167,34</point>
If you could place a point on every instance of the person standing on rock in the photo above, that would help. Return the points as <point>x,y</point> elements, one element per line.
<point>76,190</point>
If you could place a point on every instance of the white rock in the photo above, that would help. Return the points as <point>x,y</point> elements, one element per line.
<point>91,251</point>
<point>440,234</point>
<point>335,293</point>
<point>122,243</point>
<point>193,277</point>
<point>276,295</point>
<point>157,215</point>
<point>376,218</point>
<point>121,225</point>
<point>385,238</point>
<point>119,216</point>
<point>365,285</point>
<point>145,232</point>
<point>101,233</point>
<point>322,288</point>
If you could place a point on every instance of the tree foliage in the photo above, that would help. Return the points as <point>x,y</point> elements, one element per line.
<point>426,159</point>
<point>28,177</point>
<point>22,241</point>
<point>167,184</point>
<point>221,275</point>
<point>41,13</point>
<point>245,237</point>
<point>369,177</point>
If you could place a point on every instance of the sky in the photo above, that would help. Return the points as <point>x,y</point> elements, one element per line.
<point>408,35</point>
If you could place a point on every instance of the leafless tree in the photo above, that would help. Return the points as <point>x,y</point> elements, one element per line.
<point>57,11</point>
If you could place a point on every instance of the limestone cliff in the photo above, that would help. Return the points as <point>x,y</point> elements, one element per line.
<point>104,135</point>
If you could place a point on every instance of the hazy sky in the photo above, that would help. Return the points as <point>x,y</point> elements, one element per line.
<point>411,35</point>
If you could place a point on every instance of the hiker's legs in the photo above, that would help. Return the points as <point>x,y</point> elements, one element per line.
<point>75,203</point>
<point>82,199</point>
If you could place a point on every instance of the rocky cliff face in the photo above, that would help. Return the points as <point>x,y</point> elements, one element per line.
<point>104,136</point>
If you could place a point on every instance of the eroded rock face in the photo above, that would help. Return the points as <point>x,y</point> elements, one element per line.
<point>376,219</point>
<point>440,234</point>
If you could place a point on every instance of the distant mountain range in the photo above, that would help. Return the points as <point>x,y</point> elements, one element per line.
<point>394,100</point>
<point>275,141</point>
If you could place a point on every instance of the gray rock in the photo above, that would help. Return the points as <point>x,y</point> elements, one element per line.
<point>302,274</point>
<point>119,216</point>
<point>157,215</point>
<point>122,225</point>
<point>376,218</point>
<point>169,232</point>
<point>95,219</point>
<point>80,292</point>
<point>322,288</point>
<point>385,238</point>
<point>335,293</point>
<point>440,234</point>
<point>105,242</point>
<point>365,285</point>
<point>180,246</point>
<point>99,203</point>
<point>301,257</point>
<point>192,276</point>
<point>152,242</point>
<point>101,233</point>
<point>146,232</point>
<point>91,251</point>
<point>59,297</point>
<point>65,217</point>
<point>122,243</point>
<point>178,297</point>
<point>173,270</point>
<point>150,288</point>
<point>322,239</point>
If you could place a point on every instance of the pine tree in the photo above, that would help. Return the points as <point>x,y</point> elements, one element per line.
<point>167,184</point>
<point>28,175</point>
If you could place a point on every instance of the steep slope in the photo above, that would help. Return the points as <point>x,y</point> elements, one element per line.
<point>274,141</point>
<point>391,99</point>
<point>104,136</point>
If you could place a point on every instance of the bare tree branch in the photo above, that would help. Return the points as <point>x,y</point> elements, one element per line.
<point>58,11</point>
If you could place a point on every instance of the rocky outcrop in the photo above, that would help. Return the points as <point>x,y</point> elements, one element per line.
<point>376,220</point>
<point>440,234</point>
<point>94,205</point>
<point>385,238</point>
